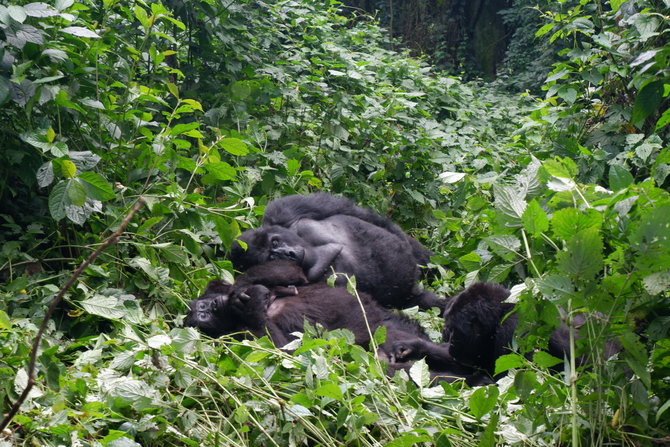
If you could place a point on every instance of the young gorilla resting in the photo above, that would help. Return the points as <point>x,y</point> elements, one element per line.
<point>251,305</point>
<point>320,231</point>
<point>478,330</point>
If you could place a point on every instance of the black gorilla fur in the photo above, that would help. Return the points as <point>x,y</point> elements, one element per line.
<point>479,327</point>
<point>251,305</point>
<point>320,231</point>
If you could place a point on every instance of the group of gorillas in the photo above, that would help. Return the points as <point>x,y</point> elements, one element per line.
<point>304,239</point>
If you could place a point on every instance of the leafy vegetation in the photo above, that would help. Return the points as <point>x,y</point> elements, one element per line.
<point>210,109</point>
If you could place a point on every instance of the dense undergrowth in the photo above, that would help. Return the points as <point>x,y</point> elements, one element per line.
<point>210,109</point>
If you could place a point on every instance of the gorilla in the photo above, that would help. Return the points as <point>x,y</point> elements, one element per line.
<point>254,305</point>
<point>321,231</point>
<point>479,327</point>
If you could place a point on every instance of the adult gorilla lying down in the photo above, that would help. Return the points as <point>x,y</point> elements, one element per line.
<point>479,328</point>
<point>320,231</point>
<point>273,298</point>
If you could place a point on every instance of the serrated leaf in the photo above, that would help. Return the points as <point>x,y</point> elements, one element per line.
<point>157,341</point>
<point>79,31</point>
<point>77,214</point>
<point>504,245</point>
<point>619,178</point>
<point>234,146</point>
<point>555,287</point>
<point>583,255</point>
<point>510,204</point>
<point>58,200</point>
<point>104,306</point>
<point>568,221</point>
<point>657,282</point>
<point>68,169</point>
<point>96,186</point>
<point>646,102</point>
<point>534,219</point>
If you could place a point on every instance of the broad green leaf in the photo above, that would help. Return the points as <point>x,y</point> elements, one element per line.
<point>507,362</point>
<point>39,9</point>
<point>483,400</point>
<point>615,4</point>
<point>183,128</point>
<point>221,170</point>
<point>419,373</point>
<point>470,261</point>
<point>662,121</point>
<point>171,87</point>
<point>129,391</point>
<point>51,135</point>
<point>5,322</point>
<point>545,29</point>
<point>545,360</point>
<point>505,245</point>
<point>142,17</point>
<point>240,89</point>
<point>534,219</point>
<point>104,306</point>
<point>657,283</point>
<point>45,174</point>
<point>234,146</point>
<point>329,389</point>
<point>17,13</point>
<point>68,169</point>
<point>75,192</point>
<point>568,221</point>
<point>583,256</point>
<point>58,200</point>
<point>646,102</point>
<point>555,287</point>
<point>510,204</point>
<point>619,178</point>
<point>96,186</point>
<point>561,167</point>
<point>651,240</point>
<point>451,177</point>
<point>80,32</point>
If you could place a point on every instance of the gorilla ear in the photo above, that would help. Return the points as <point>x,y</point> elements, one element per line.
<point>217,286</point>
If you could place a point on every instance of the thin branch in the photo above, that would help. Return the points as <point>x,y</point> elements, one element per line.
<point>52,307</point>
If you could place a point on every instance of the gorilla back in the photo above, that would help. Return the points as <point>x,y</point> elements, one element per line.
<point>354,241</point>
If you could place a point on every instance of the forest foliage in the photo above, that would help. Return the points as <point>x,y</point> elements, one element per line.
<point>210,109</point>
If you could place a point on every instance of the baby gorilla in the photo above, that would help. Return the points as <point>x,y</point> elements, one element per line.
<point>252,305</point>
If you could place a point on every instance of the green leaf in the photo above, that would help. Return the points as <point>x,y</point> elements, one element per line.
<point>561,167</point>
<point>4,89</point>
<point>171,87</point>
<point>662,121</point>
<point>96,186</point>
<point>545,29</point>
<point>510,204</point>
<point>470,261</point>
<point>329,389</point>
<point>80,32</point>
<point>183,128</point>
<point>525,382</point>
<point>636,356</point>
<point>68,169</point>
<point>483,400</point>
<point>505,245</point>
<point>5,322</point>
<point>545,360</point>
<point>45,174</point>
<point>646,102</point>
<point>650,239</point>
<point>419,373</point>
<point>234,146</point>
<point>583,256</point>
<point>104,306</point>
<point>408,440</point>
<point>58,200</point>
<point>75,192</point>
<point>534,219</point>
<point>221,170</point>
<point>568,221</point>
<point>620,178</point>
<point>507,362</point>
<point>17,13</point>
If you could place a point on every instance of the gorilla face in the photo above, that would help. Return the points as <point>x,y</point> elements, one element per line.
<point>266,244</point>
<point>224,310</point>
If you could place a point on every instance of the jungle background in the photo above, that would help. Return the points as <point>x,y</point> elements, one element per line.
<point>525,143</point>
